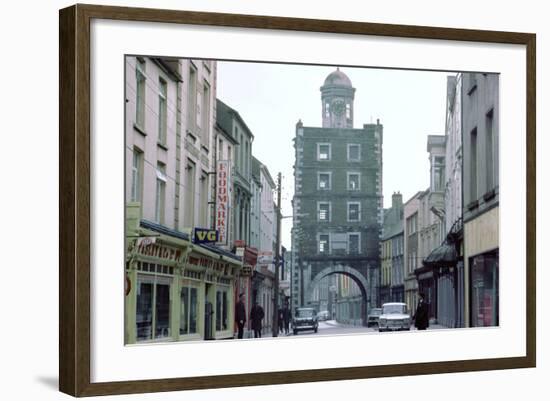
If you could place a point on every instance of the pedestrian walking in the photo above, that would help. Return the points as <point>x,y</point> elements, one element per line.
<point>280,320</point>
<point>286,318</point>
<point>240,315</point>
<point>421,316</point>
<point>256,317</point>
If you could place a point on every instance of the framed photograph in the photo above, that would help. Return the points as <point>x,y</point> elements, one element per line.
<point>251,200</point>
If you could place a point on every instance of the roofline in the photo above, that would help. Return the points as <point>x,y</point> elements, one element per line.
<point>237,115</point>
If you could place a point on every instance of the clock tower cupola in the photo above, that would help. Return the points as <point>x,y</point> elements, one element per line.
<point>337,101</point>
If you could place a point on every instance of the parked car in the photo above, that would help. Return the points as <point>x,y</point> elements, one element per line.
<point>323,315</point>
<point>305,319</point>
<point>373,316</point>
<point>395,316</point>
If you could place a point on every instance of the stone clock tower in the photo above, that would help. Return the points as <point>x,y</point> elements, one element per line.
<point>337,101</point>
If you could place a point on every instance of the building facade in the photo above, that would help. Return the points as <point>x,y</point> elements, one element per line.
<point>175,290</point>
<point>480,139</point>
<point>431,219</point>
<point>410,249</point>
<point>338,195</point>
<point>392,278</point>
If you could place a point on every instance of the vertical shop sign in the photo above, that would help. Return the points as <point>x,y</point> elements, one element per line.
<point>222,200</point>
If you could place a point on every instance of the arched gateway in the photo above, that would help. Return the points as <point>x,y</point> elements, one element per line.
<point>354,274</point>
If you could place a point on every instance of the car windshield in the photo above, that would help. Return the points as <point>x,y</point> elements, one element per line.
<point>393,309</point>
<point>376,311</point>
<point>304,313</point>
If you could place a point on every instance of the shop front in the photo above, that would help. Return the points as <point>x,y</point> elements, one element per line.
<point>176,290</point>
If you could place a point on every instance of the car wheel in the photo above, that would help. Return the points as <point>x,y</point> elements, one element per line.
<point>295,332</point>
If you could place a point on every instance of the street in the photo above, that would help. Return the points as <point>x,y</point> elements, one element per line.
<point>332,327</point>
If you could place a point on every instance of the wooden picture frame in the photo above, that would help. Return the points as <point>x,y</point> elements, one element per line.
<point>75,199</point>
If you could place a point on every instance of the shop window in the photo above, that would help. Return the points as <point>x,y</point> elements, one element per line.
<point>221,310</point>
<point>153,322</point>
<point>144,311</point>
<point>189,310</point>
<point>484,284</point>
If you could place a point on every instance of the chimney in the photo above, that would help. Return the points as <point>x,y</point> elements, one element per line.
<point>397,200</point>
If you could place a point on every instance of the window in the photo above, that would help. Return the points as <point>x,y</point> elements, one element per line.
<point>323,211</point>
<point>192,100</point>
<point>324,243</point>
<point>354,211</point>
<point>221,310</point>
<point>160,193</point>
<point>162,114</point>
<point>189,309</point>
<point>348,111</point>
<point>324,181</point>
<point>205,116</point>
<point>204,206</point>
<point>354,243</point>
<point>354,181</point>
<point>327,109</point>
<point>354,152</point>
<point>220,149</point>
<point>411,224</point>
<point>189,197</point>
<point>323,151</point>
<point>439,173</point>
<point>137,176</point>
<point>484,284</point>
<point>489,150</point>
<point>152,308</point>
<point>140,93</point>
<point>473,165</point>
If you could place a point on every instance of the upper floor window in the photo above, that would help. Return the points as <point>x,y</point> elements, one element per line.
<point>324,181</point>
<point>348,110</point>
<point>354,211</point>
<point>323,151</point>
<point>140,93</point>
<point>354,152</point>
<point>323,211</point>
<point>411,224</point>
<point>354,181</point>
<point>354,240</point>
<point>162,112</point>
<point>324,242</point>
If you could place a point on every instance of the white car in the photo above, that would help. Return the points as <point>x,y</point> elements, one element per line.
<point>394,317</point>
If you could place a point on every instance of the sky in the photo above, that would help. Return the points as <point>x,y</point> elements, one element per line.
<point>271,98</point>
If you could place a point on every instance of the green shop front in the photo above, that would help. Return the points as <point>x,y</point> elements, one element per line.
<point>177,290</point>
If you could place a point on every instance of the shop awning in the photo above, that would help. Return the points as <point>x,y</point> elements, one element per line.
<point>443,255</point>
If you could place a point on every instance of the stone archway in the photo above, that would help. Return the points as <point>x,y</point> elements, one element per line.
<point>354,274</point>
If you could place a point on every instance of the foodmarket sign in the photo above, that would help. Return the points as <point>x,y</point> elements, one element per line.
<point>223,200</point>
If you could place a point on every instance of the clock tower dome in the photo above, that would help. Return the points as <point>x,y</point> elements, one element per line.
<point>337,101</point>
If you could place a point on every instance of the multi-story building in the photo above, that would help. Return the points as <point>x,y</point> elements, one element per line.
<point>480,139</point>
<point>338,194</point>
<point>175,291</point>
<point>446,261</point>
<point>410,249</point>
<point>392,277</point>
<point>431,215</point>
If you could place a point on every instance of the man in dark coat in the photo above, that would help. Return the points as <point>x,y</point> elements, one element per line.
<point>421,317</point>
<point>240,315</point>
<point>286,318</point>
<point>256,316</point>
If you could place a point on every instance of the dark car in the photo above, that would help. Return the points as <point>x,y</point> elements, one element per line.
<point>374,315</point>
<point>305,319</point>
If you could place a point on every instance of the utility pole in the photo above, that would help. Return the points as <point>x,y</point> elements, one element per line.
<point>275,325</point>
